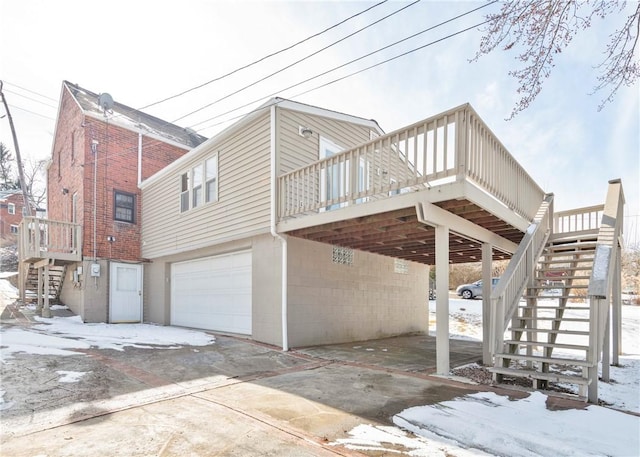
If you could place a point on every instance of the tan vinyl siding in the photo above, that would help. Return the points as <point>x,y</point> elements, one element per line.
<point>243,206</point>
<point>296,151</point>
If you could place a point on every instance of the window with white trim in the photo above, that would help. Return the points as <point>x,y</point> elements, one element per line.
<point>211,179</point>
<point>14,229</point>
<point>196,192</point>
<point>11,208</point>
<point>199,185</point>
<point>184,192</point>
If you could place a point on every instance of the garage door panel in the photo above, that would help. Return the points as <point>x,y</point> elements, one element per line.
<point>213,293</point>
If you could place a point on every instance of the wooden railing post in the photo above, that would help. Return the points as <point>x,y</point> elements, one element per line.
<point>463,131</point>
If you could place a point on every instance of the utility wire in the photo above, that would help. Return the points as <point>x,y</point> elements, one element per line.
<point>32,112</point>
<point>29,90</point>
<point>218,78</point>
<point>29,98</point>
<point>356,60</point>
<point>296,62</point>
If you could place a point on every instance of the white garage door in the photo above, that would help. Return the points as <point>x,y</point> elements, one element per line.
<point>213,293</point>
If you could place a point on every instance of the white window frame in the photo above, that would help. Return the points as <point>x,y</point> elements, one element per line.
<point>327,149</point>
<point>11,208</point>
<point>199,184</point>
<point>211,179</point>
<point>185,191</point>
<point>13,229</point>
<point>197,177</point>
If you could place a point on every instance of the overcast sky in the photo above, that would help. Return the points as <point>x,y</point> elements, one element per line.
<point>143,51</point>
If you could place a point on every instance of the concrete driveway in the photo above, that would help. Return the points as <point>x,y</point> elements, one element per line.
<point>234,397</point>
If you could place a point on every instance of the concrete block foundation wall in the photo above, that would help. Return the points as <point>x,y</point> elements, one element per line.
<point>332,303</point>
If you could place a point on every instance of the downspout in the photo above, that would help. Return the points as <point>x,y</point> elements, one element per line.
<point>139,158</point>
<point>274,233</point>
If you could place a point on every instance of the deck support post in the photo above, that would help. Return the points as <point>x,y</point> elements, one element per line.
<point>487,253</point>
<point>606,347</point>
<point>616,315</point>
<point>39,292</point>
<point>442,300</point>
<point>46,311</point>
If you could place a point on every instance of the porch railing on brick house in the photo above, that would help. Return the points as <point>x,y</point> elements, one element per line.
<point>40,239</point>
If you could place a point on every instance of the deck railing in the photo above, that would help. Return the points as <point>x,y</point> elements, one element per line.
<point>585,219</point>
<point>454,145</point>
<point>47,239</point>
<point>604,282</point>
<point>519,273</point>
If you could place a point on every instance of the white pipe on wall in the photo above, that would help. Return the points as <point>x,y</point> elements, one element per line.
<point>274,233</point>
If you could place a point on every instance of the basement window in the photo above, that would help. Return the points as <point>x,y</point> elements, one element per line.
<point>124,206</point>
<point>342,256</point>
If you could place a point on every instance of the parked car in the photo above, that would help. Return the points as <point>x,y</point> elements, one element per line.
<point>474,290</point>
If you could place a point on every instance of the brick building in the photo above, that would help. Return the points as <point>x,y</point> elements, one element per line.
<point>11,212</point>
<point>101,151</point>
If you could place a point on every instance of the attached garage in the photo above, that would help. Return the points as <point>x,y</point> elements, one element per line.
<point>213,293</point>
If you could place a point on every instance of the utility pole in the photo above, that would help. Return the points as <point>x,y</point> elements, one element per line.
<point>23,183</point>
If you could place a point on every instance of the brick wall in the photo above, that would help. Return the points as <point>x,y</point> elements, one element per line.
<point>7,219</point>
<point>114,167</point>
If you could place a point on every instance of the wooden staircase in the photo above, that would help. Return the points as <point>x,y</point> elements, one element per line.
<point>54,288</point>
<point>549,332</point>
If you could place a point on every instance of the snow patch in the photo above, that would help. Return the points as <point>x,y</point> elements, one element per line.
<point>71,376</point>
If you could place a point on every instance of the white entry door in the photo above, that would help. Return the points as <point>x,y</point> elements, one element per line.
<point>125,297</point>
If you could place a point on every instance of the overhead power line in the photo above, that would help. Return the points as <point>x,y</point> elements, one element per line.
<point>31,91</point>
<point>243,67</point>
<point>30,98</point>
<point>31,112</point>
<point>356,60</point>
<point>297,61</point>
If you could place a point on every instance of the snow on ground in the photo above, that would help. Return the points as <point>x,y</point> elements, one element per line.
<point>60,335</point>
<point>71,376</point>
<point>7,290</point>
<point>489,424</point>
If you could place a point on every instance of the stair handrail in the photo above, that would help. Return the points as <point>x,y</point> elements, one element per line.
<point>604,267</point>
<point>519,273</point>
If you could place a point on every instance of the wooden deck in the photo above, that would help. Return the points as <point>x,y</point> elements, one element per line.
<point>387,196</point>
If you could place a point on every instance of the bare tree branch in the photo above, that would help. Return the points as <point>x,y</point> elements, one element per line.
<point>543,28</point>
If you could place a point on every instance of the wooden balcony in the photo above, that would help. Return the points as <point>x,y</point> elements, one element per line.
<point>40,239</point>
<point>386,195</point>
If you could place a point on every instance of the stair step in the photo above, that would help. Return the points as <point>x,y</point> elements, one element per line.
<point>553,377</point>
<point>571,253</point>
<point>576,347</point>
<point>575,308</point>
<point>562,261</point>
<point>553,296</point>
<point>550,360</point>
<point>567,268</point>
<point>571,244</point>
<point>563,319</point>
<point>548,330</point>
<point>560,278</point>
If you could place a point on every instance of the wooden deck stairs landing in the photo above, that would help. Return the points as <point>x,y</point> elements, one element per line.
<point>549,332</point>
<point>54,288</point>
